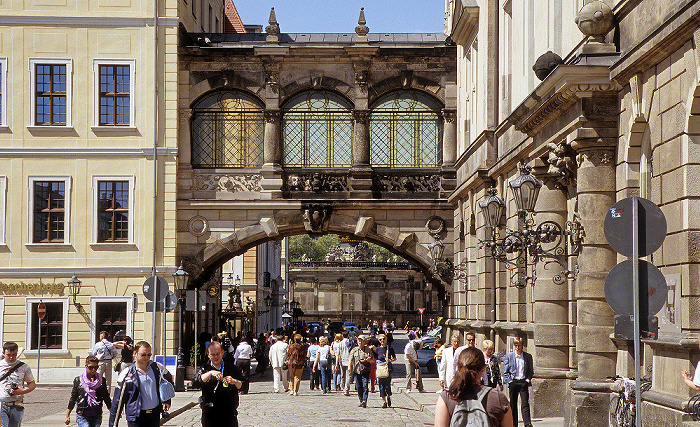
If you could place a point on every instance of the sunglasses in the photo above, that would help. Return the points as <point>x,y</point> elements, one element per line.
<point>145,355</point>
<point>470,340</point>
<point>91,368</point>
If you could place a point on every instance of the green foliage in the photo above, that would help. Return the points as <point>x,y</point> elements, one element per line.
<point>315,248</point>
<point>383,254</point>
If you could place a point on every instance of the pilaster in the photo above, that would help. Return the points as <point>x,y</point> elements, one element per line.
<point>271,170</point>
<point>361,178</point>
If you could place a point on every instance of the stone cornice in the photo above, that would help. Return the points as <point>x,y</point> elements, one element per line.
<point>566,85</point>
<point>465,21</point>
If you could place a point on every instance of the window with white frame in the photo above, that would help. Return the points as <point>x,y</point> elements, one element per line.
<point>113,315</point>
<point>54,326</point>
<point>113,217</point>
<point>114,93</point>
<point>3,207</point>
<point>51,92</point>
<point>3,91</point>
<point>49,210</point>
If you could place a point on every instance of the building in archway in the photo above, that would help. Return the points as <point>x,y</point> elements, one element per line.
<point>614,116</point>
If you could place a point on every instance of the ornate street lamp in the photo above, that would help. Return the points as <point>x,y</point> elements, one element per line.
<point>531,243</point>
<point>181,279</point>
<point>74,289</point>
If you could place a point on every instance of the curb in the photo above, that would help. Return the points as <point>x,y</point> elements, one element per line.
<point>177,412</point>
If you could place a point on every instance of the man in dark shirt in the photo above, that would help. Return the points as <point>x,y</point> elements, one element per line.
<point>220,381</point>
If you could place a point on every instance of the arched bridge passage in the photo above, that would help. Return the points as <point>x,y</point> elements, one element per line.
<point>285,224</point>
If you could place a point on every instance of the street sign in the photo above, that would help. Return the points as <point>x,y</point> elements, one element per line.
<point>421,310</point>
<point>618,227</point>
<point>41,310</point>
<point>652,288</point>
<point>162,288</point>
<point>159,307</point>
<point>191,305</point>
<point>170,301</point>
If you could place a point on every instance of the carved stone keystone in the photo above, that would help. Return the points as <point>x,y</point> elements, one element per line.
<point>269,225</point>
<point>364,225</point>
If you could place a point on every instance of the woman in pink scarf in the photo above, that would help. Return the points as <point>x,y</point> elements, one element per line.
<point>89,391</point>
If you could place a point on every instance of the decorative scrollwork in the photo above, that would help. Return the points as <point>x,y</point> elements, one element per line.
<point>317,182</point>
<point>230,183</point>
<point>406,184</point>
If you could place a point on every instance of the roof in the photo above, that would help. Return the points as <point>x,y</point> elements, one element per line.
<point>325,39</point>
<point>233,22</point>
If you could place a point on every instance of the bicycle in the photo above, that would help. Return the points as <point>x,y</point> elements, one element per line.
<point>623,404</point>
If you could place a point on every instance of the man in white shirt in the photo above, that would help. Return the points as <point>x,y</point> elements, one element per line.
<point>15,375</point>
<point>242,356</point>
<point>342,363</point>
<point>411,362</point>
<point>470,341</point>
<point>278,356</point>
<point>105,351</point>
<point>518,370</point>
<point>447,370</point>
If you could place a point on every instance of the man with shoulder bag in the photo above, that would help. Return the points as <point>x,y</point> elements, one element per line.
<point>16,380</point>
<point>361,358</point>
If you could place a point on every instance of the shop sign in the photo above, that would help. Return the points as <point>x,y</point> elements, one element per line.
<point>23,288</point>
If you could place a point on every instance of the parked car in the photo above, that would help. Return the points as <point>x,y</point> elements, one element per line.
<point>313,326</point>
<point>426,355</point>
<point>351,327</point>
<point>434,332</point>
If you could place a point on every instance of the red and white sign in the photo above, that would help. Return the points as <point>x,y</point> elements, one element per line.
<point>41,310</point>
<point>421,310</point>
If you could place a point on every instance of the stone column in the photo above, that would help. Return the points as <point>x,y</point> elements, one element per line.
<point>449,137</point>
<point>272,150</point>
<point>361,172</point>
<point>550,314</point>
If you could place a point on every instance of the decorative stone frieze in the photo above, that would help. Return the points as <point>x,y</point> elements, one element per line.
<point>406,184</point>
<point>272,73</point>
<point>316,182</point>
<point>223,183</point>
<point>596,157</point>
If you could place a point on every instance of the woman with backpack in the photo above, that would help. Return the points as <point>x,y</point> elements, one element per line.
<point>323,364</point>
<point>468,401</point>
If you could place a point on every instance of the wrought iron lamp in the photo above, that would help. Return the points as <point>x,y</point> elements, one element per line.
<point>74,289</point>
<point>522,249</point>
<point>442,267</point>
<point>181,279</point>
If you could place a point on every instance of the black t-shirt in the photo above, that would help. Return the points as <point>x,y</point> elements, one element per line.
<point>214,394</point>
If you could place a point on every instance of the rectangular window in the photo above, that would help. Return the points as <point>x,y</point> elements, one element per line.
<point>49,211</point>
<point>113,211</point>
<point>52,326</point>
<point>115,88</point>
<point>3,91</point>
<point>111,317</point>
<point>3,207</point>
<point>51,92</point>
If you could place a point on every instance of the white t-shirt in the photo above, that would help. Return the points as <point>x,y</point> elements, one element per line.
<point>696,376</point>
<point>323,353</point>
<point>410,351</point>
<point>20,376</point>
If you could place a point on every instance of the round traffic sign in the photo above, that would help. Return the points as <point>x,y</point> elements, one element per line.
<point>162,288</point>
<point>170,301</point>
<point>41,310</point>
<point>652,289</point>
<point>618,227</point>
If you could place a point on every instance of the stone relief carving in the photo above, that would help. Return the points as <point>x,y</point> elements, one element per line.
<point>272,74</point>
<point>272,116</point>
<point>360,116</point>
<point>317,182</point>
<point>597,157</point>
<point>315,216</point>
<point>230,183</point>
<point>562,164</point>
<point>406,184</point>
<point>198,225</point>
<point>449,115</point>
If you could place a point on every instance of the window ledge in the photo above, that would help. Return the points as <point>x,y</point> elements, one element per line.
<point>50,128</point>
<point>48,245</point>
<point>107,246</point>
<point>4,128</point>
<point>47,352</point>
<point>113,128</point>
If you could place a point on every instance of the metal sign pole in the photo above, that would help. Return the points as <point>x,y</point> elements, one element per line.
<point>635,296</point>
<point>155,307</point>
<point>38,351</point>
<point>196,331</point>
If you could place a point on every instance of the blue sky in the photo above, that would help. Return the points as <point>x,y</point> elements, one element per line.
<point>340,16</point>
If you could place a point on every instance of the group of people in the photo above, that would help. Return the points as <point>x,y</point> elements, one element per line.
<point>467,374</point>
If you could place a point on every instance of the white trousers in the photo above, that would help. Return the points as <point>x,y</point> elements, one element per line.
<point>277,375</point>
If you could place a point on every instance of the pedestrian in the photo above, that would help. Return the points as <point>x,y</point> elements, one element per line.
<point>466,392</point>
<point>315,379</point>
<point>342,363</point>
<point>16,380</point>
<point>492,375</point>
<point>278,360</point>
<point>373,343</point>
<point>296,359</point>
<point>360,359</point>
<point>693,382</point>
<point>262,348</point>
<point>322,363</point>
<point>137,393</point>
<point>335,353</point>
<point>89,392</point>
<point>446,371</point>
<point>518,370</point>
<point>469,341</point>
<point>220,382</point>
<point>242,356</point>
<point>385,357</point>
<point>127,354</point>
<point>105,351</point>
<point>439,348</point>
<point>410,353</point>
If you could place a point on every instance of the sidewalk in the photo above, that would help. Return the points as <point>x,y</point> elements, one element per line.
<point>426,401</point>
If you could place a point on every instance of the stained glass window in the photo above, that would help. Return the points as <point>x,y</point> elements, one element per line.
<point>317,130</point>
<point>405,130</point>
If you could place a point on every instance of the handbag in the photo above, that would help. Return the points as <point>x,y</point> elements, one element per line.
<point>167,391</point>
<point>382,370</point>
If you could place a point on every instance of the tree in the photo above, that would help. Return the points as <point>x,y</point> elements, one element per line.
<point>315,248</point>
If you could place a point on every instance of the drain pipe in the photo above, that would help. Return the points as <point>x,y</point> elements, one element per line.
<point>155,170</point>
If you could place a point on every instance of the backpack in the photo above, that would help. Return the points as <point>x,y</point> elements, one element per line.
<point>471,412</point>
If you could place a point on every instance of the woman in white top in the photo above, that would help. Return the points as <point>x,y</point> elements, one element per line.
<point>335,353</point>
<point>323,363</point>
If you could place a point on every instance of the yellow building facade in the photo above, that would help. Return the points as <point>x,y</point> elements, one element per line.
<point>88,96</point>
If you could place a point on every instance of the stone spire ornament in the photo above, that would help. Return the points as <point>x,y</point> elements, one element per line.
<point>361,30</point>
<point>272,30</point>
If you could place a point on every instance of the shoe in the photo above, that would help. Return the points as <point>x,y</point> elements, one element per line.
<point>296,393</point>
<point>277,391</point>
<point>360,405</point>
<point>384,405</point>
<point>347,393</point>
<point>421,390</point>
<point>364,404</point>
<point>388,401</point>
<point>324,392</point>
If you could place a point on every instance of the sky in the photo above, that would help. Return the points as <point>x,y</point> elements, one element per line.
<point>340,16</point>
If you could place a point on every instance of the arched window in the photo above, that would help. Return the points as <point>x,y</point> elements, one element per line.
<point>227,131</point>
<point>405,130</point>
<point>317,130</point>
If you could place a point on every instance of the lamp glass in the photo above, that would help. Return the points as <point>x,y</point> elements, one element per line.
<point>525,190</point>
<point>74,286</point>
<point>268,301</point>
<point>492,208</point>
<point>181,278</point>
<point>436,248</point>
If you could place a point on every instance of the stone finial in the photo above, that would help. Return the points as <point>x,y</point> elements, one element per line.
<point>361,30</point>
<point>272,30</point>
<point>595,20</point>
<point>545,64</point>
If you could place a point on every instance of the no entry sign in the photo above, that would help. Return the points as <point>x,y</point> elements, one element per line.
<point>41,310</point>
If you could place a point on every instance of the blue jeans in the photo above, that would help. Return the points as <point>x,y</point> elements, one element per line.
<point>12,416</point>
<point>324,367</point>
<point>362,386</point>
<point>384,386</point>
<point>94,421</point>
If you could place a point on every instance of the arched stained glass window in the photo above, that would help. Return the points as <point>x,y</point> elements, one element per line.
<point>227,131</point>
<point>317,130</point>
<point>405,130</point>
